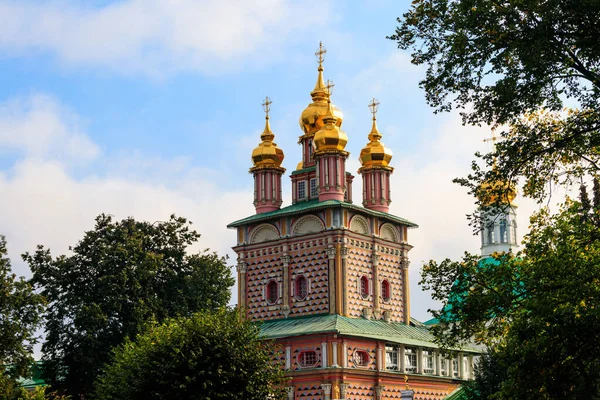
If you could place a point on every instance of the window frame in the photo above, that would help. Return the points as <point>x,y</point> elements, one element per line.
<point>301,278</point>
<point>268,299</point>
<point>313,189</point>
<point>392,351</point>
<point>301,189</point>
<point>302,363</point>
<point>386,287</point>
<point>365,358</point>
<point>410,354</point>
<point>364,287</point>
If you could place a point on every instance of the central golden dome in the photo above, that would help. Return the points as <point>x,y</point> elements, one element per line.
<point>311,119</point>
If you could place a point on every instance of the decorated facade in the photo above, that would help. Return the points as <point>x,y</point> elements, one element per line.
<point>329,278</point>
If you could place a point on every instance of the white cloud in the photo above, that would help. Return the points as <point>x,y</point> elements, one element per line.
<point>43,202</point>
<point>158,36</point>
<point>40,127</point>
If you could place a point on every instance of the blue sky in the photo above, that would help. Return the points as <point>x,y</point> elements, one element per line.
<point>152,107</point>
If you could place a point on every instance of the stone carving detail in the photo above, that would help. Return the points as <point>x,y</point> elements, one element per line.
<point>388,232</point>
<point>308,224</point>
<point>331,252</point>
<point>263,233</point>
<point>242,267</point>
<point>359,224</point>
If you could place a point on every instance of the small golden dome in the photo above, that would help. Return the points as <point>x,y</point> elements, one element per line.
<point>330,138</point>
<point>311,119</point>
<point>375,154</point>
<point>267,154</point>
<point>489,190</point>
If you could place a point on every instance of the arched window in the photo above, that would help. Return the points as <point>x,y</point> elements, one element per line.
<point>272,292</point>
<point>308,358</point>
<point>385,290</point>
<point>364,287</point>
<point>513,234</point>
<point>503,232</point>
<point>301,288</point>
<point>490,233</point>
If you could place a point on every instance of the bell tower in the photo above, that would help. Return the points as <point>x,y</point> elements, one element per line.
<point>375,159</point>
<point>267,170</point>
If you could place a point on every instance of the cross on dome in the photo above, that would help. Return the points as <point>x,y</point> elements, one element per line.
<point>267,105</point>
<point>330,85</point>
<point>320,53</point>
<point>374,105</point>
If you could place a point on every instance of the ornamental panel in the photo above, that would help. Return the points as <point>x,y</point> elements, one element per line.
<point>263,233</point>
<point>308,224</point>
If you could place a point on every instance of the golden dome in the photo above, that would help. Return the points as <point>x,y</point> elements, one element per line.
<point>311,119</point>
<point>330,138</point>
<point>267,154</point>
<point>489,190</point>
<point>375,154</point>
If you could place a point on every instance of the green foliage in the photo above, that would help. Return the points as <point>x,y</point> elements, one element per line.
<point>538,311</point>
<point>20,315</point>
<point>120,275</point>
<point>518,64</point>
<point>206,356</point>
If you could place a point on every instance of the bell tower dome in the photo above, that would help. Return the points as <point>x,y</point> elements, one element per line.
<point>375,158</point>
<point>267,170</point>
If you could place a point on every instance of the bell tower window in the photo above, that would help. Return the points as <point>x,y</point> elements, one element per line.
<point>503,232</point>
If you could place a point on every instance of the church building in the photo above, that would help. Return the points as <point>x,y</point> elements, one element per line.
<point>328,278</point>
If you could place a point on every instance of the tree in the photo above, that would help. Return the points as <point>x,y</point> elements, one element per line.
<point>537,311</point>
<point>120,275</point>
<point>20,316</point>
<point>207,356</point>
<point>515,65</point>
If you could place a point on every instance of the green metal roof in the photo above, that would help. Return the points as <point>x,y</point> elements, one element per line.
<point>457,394</point>
<point>313,205</point>
<point>374,329</point>
<point>302,170</point>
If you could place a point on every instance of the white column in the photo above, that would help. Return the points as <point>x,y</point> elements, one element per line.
<point>326,390</point>
<point>451,366</point>
<point>419,360</point>
<point>461,366</point>
<point>288,357</point>
<point>324,354</point>
<point>437,357</point>
<point>345,355</point>
<point>290,392</point>
<point>379,359</point>
<point>401,359</point>
<point>334,355</point>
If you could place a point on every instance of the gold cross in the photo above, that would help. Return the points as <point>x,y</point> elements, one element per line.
<point>493,138</point>
<point>329,86</point>
<point>267,105</point>
<point>373,105</point>
<point>320,53</point>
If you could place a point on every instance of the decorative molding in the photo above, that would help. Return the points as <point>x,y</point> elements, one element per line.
<point>331,252</point>
<point>388,232</point>
<point>242,267</point>
<point>359,224</point>
<point>308,224</point>
<point>263,233</point>
<point>344,251</point>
